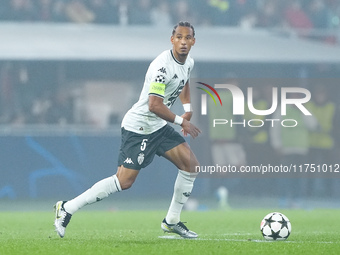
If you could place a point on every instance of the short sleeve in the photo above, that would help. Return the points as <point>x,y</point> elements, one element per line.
<point>158,81</point>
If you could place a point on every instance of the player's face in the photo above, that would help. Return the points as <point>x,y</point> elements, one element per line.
<point>182,41</point>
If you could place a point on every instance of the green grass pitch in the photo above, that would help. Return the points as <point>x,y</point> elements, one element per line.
<point>138,232</point>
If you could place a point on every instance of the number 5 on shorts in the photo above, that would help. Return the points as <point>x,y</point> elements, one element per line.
<point>143,144</point>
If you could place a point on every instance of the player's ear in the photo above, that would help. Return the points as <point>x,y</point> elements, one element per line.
<point>172,39</point>
<point>193,41</point>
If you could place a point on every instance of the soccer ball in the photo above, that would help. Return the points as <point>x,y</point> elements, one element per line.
<point>275,226</point>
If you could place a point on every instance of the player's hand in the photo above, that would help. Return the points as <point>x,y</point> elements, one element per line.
<point>187,116</point>
<point>188,128</point>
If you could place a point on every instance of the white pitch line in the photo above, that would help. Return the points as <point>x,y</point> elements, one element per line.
<point>238,234</point>
<point>170,237</point>
<point>239,240</point>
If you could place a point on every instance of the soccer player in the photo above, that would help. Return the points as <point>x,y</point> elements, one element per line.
<point>146,132</point>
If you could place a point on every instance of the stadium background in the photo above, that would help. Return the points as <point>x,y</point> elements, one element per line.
<point>69,70</point>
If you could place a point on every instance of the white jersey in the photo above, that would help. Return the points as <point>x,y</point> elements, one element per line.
<point>165,78</point>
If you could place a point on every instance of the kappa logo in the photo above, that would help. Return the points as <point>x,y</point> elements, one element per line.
<point>162,70</point>
<point>140,158</point>
<point>128,161</point>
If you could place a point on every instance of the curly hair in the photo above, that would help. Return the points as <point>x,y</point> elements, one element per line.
<point>183,24</point>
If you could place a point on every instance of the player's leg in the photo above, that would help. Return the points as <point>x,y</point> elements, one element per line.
<point>186,161</point>
<point>126,174</point>
<point>183,158</point>
<point>123,179</point>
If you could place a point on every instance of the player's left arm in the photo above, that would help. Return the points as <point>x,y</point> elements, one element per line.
<point>185,99</point>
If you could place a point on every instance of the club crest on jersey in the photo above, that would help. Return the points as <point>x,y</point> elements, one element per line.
<point>160,79</point>
<point>140,158</point>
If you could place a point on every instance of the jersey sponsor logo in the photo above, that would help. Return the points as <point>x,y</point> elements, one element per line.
<point>160,79</point>
<point>140,158</point>
<point>128,161</point>
<point>162,70</point>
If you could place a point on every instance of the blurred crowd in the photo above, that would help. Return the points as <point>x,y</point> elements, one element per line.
<point>27,98</point>
<point>302,14</point>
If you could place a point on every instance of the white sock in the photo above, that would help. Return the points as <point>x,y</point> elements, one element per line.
<point>182,190</point>
<point>97,192</point>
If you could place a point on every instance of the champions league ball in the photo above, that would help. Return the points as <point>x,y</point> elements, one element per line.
<point>275,226</point>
